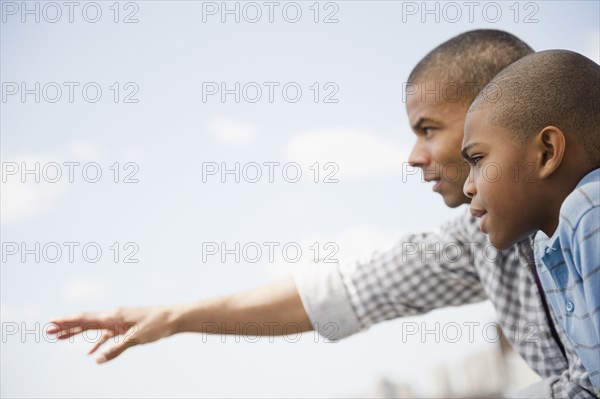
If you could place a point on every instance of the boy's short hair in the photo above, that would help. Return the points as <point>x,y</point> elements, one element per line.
<point>470,60</point>
<point>551,88</point>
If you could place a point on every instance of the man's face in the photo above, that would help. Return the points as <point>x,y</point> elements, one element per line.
<point>439,128</point>
<point>501,182</point>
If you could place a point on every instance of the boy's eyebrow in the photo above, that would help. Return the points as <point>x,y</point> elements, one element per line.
<point>466,148</point>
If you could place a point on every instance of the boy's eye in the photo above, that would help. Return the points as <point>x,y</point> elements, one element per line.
<point>472,160</point>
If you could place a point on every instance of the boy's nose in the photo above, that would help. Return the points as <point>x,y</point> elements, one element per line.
<point>469,187</point>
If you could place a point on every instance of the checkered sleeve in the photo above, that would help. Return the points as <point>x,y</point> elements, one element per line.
<point>421,272</point>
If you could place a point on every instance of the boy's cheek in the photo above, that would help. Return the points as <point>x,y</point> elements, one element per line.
<point>481,188</point>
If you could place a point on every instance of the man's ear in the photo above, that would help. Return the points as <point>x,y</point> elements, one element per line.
<point>550,149</point>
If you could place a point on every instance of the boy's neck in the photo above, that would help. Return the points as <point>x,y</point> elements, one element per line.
<point>562,184</point>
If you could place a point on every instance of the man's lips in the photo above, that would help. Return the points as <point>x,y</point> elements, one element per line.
<point>428,179</point>
<point>437,181</point>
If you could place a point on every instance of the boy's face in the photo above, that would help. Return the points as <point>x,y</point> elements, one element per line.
<point>500,183</point>
<point>439,129</point>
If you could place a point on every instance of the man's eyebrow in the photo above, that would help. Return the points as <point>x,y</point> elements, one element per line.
<point>466,148</point>
<point>420,122</point>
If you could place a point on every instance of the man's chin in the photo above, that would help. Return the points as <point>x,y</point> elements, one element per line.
<point>454,200</point>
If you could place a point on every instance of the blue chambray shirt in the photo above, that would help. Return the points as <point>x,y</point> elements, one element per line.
<point>569,269</point>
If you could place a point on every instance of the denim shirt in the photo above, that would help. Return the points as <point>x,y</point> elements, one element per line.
<point>569,269</point>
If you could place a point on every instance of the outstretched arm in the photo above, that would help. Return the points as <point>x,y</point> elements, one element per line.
<point>270,310</point>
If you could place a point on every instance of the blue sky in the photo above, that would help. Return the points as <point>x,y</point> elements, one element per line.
<point>165,137</point>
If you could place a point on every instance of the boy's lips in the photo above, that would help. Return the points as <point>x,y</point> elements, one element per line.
<point>480,213</point>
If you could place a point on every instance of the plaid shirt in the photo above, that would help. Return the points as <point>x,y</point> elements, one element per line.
<point>451,266</point>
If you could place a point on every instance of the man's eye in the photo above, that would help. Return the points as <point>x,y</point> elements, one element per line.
<point>475,160</point>
<point>428,131</point>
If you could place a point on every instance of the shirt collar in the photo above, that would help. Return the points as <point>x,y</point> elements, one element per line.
<point>544,245</point>
<point>594,175</point>
<point>541,246</point>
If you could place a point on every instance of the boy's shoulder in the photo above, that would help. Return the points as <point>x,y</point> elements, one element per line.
<point>582,200</point>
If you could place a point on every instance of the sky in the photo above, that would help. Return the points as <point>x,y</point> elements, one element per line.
<point>136,116</point>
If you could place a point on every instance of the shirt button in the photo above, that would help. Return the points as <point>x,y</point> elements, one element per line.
<point>570,306</point>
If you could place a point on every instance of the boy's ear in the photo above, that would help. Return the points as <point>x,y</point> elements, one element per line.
<point>550,147</point>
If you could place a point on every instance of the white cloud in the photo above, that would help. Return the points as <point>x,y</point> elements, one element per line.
<point>163,282</point>
<point>231,132</point>
<point>21,196</point>
<point>7,313</point>
<point>20,199</point>
<point>78,289</point>
<point>26,311</point>
<point>593,50</point>
<point>85,150</point>
<point>358,153</point>
<point>357,243</point>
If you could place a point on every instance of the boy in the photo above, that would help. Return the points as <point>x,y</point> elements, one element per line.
<point>533,145</point>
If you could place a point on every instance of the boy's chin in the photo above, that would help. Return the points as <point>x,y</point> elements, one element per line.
<point>500,243</point>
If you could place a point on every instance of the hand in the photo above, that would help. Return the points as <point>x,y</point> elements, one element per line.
<point>138,325</point>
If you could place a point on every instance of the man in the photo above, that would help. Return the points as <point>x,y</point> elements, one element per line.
<point>340,300</point>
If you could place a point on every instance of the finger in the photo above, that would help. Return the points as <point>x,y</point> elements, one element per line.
<point>69,323</point>
<point>117,349</point>
<point>64,334</point>
<point>54,329</point>
<point>104,319</point>
<point>69,329</point>
<point>68,333</point>
<point>106,335</point>
<point>76,319</point>
<point>60,326</point>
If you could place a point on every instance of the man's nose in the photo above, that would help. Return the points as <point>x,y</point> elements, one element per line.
<point>419,156</point>
<point>469,187</point>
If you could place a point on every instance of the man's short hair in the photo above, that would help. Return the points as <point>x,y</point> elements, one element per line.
<point>469,61</point>
<point>551,88</point>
